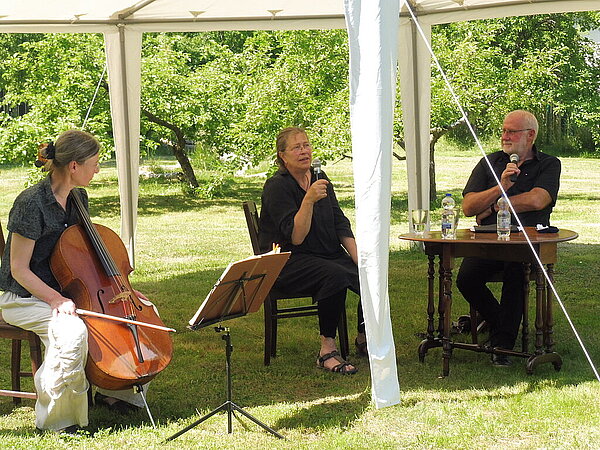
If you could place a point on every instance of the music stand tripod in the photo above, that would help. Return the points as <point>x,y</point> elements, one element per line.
<point>241,289</point>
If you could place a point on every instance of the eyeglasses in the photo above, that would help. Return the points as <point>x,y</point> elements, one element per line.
<point>299,147</point>
<point>513,132</point>
<point>90,163</point>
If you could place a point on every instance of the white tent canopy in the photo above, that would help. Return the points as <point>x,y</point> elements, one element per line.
<point>123,21</point>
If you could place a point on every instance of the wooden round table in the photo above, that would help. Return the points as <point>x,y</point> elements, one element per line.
<point>543,249</point>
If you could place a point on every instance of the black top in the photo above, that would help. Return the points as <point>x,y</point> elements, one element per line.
<point>281,199</point>
<point>542,171</point>
<point>38,216</point>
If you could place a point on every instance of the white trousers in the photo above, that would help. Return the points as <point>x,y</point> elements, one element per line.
<point>60,382</point>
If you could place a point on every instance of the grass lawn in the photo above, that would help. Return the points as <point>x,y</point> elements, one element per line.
<point>183,245</point>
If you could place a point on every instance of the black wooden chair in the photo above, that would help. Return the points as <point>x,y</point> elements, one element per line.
<point>273,312</point>
<point>17,336</point>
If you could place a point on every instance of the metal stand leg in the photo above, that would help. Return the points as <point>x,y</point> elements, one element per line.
<point>228,406</point>
<point>140,390</point>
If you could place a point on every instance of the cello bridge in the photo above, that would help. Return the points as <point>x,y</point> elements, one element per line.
<point>121,296</point>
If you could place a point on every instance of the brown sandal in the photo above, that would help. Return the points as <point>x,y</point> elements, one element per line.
<point>341,368</point>
<point>361,348</point>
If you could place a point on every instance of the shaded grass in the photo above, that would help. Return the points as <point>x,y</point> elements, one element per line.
<point>183,244</point>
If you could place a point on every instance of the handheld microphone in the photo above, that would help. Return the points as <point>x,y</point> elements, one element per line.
<point>316,165</point>
<point>514,158</point>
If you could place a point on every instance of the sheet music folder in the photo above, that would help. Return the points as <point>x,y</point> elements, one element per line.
<point>241,289</point>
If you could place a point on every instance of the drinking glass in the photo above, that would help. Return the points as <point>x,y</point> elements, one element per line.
<point>419,217</point>
<point>456,217</point>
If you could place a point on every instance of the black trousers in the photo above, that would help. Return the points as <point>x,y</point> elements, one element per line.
<point>504,316</point>
<point>330,310</point>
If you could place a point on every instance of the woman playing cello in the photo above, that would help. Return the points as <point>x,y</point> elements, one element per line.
<point>32,299</point>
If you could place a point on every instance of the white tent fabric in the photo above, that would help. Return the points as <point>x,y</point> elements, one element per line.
<point>123,21</point>
<point>123,55</point>
<point>372,31</point>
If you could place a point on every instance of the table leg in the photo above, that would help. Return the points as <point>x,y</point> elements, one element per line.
<point>525,325</point>
<point>429,341</point>
<point>549,343</point>
<point>539,310</point>
<point>543,326</point>
<point>551,355</point>
<point>447,314</point>
<point>440,329</point>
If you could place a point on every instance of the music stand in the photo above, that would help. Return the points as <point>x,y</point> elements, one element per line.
<point>241,289</point>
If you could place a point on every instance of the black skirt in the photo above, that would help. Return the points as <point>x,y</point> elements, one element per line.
<point>317,276</point>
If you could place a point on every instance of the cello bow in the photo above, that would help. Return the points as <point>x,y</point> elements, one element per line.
<point>85,312</point>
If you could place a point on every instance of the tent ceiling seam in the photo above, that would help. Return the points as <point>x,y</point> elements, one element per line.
<point>115,22</point>
<point>124,16</point>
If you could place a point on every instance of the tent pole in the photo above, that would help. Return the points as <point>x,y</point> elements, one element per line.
<point>417,120</point>
<point>127,217</point>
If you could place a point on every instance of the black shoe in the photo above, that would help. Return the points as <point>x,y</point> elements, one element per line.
<point>501,361</point>
<point>71,430</point>
<point>119,406</point>
<point>463,324</point>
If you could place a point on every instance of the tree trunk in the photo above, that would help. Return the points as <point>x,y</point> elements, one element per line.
<point>435,135</point>
<point>432,184</point>
<point>178,147</point>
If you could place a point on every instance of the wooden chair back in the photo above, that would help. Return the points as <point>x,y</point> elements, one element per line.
<point>252,222</point>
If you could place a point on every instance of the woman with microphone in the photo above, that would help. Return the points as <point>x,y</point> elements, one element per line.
<point>300,212</point>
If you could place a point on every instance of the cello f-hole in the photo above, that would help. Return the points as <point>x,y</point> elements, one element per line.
<point>98,296</point>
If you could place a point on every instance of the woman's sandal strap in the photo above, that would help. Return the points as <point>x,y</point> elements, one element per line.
<point>340,368</point>
<point>327,356</point>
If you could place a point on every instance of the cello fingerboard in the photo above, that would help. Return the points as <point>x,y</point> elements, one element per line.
<point>104,255</point>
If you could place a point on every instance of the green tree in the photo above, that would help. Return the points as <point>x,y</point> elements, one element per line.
<point>55,75</point>
<point>231,92</point>
<point>264,80</point>
<point>540,63</point>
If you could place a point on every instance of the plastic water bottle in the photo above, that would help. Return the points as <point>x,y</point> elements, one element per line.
<point>448,217</point>
<point>503,220</point>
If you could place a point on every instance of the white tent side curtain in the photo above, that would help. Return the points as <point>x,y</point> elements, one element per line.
<point>123,55</point>
<point>372,31</point>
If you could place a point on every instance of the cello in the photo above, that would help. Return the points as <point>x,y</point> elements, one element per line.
<point>91,265</point>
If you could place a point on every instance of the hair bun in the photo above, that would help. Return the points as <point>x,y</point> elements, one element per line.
<point>50,150</point>
<point>46,151</point>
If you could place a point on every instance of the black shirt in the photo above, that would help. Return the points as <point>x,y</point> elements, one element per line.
<point>542,171</point>
<point>281,199</point>
<point>38,216</point>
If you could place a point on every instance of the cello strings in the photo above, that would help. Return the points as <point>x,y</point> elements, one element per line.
<point>103,253</point>
<point>480,146</point>
<point>95,237</point>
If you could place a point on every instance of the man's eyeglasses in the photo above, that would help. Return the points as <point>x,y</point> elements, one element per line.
<point>299,147</point>
<point>513,132</point>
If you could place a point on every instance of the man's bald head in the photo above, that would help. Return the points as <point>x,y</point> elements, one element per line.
<point>527,120</point>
